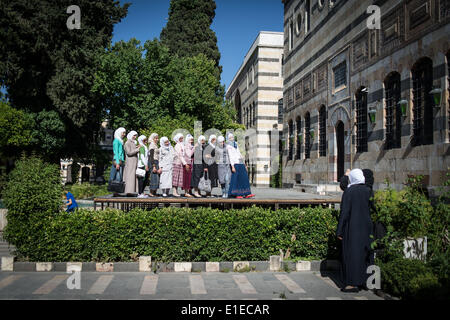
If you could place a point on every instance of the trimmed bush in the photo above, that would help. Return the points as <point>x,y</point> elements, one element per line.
<point>410,279</point>
<point>181,234</point>
<point>32,196</point>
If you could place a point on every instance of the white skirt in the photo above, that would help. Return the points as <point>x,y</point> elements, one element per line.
<point>165,181</point>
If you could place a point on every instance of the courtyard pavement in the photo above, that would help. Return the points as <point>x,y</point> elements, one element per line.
<point>176,286</point>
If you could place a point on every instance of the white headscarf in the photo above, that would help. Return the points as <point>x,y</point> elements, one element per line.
<point>211,137</point>
<point>230,140</point>
<point>162,142</point>
<point>118,134</point>
<point>188,140</point>
<point>152,137</point>
<point>141,140</point>
<point>200,139</point>
<point>356,177</point>
<point>177,138</point>
<point>220,139</point>
<point>131,135</point>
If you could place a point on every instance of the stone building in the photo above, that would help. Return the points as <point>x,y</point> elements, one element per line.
<point>358,95</point>
<point>89,172</point>
<point>256,91</point>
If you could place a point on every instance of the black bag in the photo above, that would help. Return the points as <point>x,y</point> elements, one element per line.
<point>116,186</point>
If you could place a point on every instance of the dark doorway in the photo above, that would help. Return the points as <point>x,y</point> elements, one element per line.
<point>340,136</point>
<point>85,173</point>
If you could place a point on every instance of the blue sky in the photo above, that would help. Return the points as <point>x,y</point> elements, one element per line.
<point>236,24</point>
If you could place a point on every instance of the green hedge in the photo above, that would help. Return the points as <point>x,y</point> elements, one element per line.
<point>411,279</point>
<point>181,234</point>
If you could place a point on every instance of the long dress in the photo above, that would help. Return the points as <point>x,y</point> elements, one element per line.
<point>213,173</point>
<point>166,155</point>
<point>178,165</point>
<point>355,228</point>
<point>153,162</point>
<point>199,165</point>
<point>131,162</point>
<point>224,170</point>
<point>187,174</point>
<point>239,183</point>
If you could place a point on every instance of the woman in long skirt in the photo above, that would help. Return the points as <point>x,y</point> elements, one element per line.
<point>119,156</point>
<point>200,167</point>
<point>179,164</point>
<point>354,230</point>
<point>239,184</point>
<point>131,162</point>
<point>224,169</point>
<point>143,165</point>
<point>213,174</point>
<point>166,155</point>
<point>153,164</point>
<point>187,172</point>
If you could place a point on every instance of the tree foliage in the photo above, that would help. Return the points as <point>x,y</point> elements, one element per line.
<point>144,86</point>
<point>188,31</point>
<point>45,67</point>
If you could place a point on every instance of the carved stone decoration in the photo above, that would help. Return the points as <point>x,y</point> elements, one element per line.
<point>307,86</point>
<point>444,9</point>
<point>322,77</point>
<point>298,92</point>
<point>392,31</point>
<point>360,52</point>
<point>419,16</point>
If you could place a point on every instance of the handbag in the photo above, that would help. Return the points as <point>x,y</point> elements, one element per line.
<point>116,186</point>
<point>140,172</point>
<point>205,183</point>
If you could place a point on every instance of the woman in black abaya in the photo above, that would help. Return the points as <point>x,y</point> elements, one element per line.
<point>354,229</point>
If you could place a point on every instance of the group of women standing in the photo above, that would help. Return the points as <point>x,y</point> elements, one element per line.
<point>140,160</point>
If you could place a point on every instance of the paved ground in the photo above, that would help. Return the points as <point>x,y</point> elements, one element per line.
<point>176,286</point>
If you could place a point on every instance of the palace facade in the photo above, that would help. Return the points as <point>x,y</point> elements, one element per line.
<point>359,96</point>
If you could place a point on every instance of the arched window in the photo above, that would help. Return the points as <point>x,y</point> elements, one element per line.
<point>299,138</point>
<point>422,76</point>
<point>246,117</point>
<point>291,140</point>
<point>307,16</point>
<point>448,79</point>
<point>291,35</point>
<point>322,131</point>
<point>238,106</point>
<point>361,120</point>
<point>254,113</point>
<point>307,136</point>
<point>393,111</point>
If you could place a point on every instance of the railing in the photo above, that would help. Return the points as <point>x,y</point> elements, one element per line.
<point>127,204</point>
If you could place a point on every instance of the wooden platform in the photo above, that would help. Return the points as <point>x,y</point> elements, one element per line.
<point>130,203</point>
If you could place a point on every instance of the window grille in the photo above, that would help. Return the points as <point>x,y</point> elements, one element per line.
<point>322,131</point>
<point>361,121</point>
<point>422,103</point>
<point>393,112</point>
<point>307,136</point>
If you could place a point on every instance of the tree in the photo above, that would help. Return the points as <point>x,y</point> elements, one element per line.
<point>188,31</point>
<point>46,66</point>
<point>142,91</point>
<point>15,129</point>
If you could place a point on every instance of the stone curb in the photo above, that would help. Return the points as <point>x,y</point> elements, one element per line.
<point>145,265</point>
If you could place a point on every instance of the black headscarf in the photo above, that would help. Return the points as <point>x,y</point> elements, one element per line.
<point>368,175</point>
<point>345,181</point>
